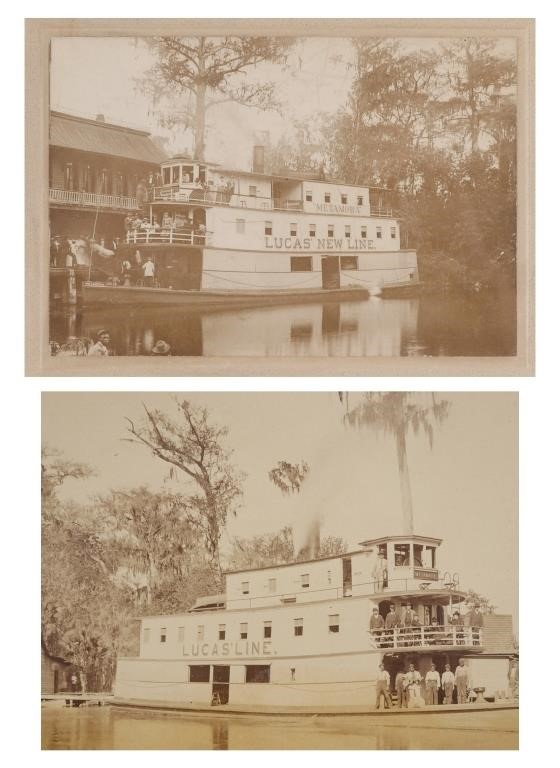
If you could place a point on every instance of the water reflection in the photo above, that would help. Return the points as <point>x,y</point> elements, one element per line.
<point>428,325</point>
<point>109,728</point>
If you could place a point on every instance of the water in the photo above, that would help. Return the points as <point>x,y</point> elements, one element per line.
<point>473,325</point>
<point>112,728</point>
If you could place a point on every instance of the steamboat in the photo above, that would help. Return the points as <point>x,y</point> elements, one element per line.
<point>296,637</point>
<point>217,235</point>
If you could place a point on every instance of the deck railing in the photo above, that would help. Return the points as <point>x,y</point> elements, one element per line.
<point>166,237</point>
<point>426,637</point>
<point>92,200</point>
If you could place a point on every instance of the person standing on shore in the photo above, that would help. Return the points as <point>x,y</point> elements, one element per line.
<point>448,683</point>
<point>382,688</point>
<point>433,684</point>
<point>462,682</point>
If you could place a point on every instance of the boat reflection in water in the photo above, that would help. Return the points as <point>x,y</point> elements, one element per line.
<point>109,728</point>
<point>422,326</point>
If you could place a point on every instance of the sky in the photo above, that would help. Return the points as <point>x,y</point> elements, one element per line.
<point>98,75</point>
<point>464,489</point>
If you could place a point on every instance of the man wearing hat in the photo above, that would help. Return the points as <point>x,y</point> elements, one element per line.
<point>476,620</point>
<point>382,688</point>
<point>376,626</point>
<point>101,346</point>
<point>391,623</point>
<point>161,347</point>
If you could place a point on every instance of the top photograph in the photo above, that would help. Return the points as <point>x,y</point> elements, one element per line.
<point>297,197</point>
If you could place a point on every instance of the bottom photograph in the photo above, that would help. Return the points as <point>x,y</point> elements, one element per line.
<point>245,570</point>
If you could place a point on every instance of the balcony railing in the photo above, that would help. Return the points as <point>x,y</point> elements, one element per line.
<point>382,213</point>
<point>167,237</point>
<point>92,200</point>
<point>426,637</point>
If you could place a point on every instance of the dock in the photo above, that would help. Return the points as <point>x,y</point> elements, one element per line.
<point>79,699</point>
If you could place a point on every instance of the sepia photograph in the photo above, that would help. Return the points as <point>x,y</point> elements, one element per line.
<point>279,571</point>
<point>315,193</point>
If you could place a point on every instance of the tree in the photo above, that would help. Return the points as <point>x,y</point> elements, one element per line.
<point>194,447</point>
<point>395,413</point>
<point>210,71</point>
<point>289,477</point>
<point>276,549</point>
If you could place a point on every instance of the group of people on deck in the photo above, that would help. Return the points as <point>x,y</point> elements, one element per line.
<point>437,688</point>
<point>405,629</point>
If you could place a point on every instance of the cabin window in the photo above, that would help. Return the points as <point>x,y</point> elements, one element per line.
<point>200,632</point>
<point>360,200</point>
<point>293,229</point>
<point>309,196</point>
<point>199,673</point>
<point>163,635</point>
<point>363,232</point>
<point>301,264</point>
<point>312,230</point>
<point>167,175</point>
<point>402,554</point>
<point>429,557</point>
<point>68,176</point>
<point>305,580</point>
<point>298,627</point>
<point>176,174</point>
<point>272,585</point>
<point>417,549</point>
<point>146,635</point>
<point>221,631</point>
<point>334,623</point>
<point>330,230</point>
<point>244,587</point>
<point>327,197</point>
<point>378,232</point>
<point>347,231</point>
<point>393,233</point>
<point>240,226</point>
<point>257,673</point>
<point>268,227</point>
<point>252,191</point>
<point>267,629</point>
<point>344,199</point>
<point>349,262</point>
<point>181,635</point>
<point>243,630</point>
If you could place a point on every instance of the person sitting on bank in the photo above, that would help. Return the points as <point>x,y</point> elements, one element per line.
<point>382,688</point>
<point>101,346</point>
<point>433,684</point>
<point>376,627</point>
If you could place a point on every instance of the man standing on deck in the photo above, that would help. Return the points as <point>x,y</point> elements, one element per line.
<point>448,683</point>
<point>383,685</point>
<point>433,684</point>
<point>400,683</point>
<point>462,682</point>
<point>101,346</point>
<point>379,573</point>
<point>376,626</point>
<point>476,621</point>
<point>149,270</point>
<point>391,622</point>
<point>406,621</point>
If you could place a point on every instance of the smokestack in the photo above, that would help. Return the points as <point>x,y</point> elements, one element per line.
<point>258,158</point>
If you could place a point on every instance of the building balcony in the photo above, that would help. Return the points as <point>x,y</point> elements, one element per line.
<point>434,638</point>
<point>383,213</point>
<point>69,197</point>
<point>167,237</point>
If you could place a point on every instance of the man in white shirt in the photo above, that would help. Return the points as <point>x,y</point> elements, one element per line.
<point>149,270</point>
<point>433,684</point>
<point>382,688</point>
<point>448,683</point>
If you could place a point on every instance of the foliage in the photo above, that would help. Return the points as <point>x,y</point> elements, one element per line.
<point>195,447</point>
<point>474,598</point>
<point>289,477</point>
<point>201,72</point>
<point>276,549</point>
<point>397,413</point>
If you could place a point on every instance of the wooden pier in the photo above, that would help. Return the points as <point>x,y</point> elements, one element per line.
<point>78,699</point>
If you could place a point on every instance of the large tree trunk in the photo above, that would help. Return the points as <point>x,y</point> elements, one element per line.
<point>406,496</point>
<point>200,122</point>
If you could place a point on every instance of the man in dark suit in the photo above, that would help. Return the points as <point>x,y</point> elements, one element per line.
<point>391,623</point>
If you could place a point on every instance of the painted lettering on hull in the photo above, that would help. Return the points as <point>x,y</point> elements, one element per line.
<point>239,648</point>
<point>318,244</point>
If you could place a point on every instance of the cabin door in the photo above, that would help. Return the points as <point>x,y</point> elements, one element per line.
<point>220,684</point>
<point>330,269</point>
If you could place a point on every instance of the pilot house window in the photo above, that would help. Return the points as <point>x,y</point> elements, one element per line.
<point>402,554</point>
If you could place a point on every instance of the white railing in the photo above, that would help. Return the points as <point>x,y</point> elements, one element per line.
<point>426,637</point>
<point>166,237</point>
<point>72,197</point>
<point>382,213</point>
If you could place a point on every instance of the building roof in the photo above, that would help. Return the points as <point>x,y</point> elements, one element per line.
<point>339,556</point>
<point>102,138</point>
<point>401,537</point>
